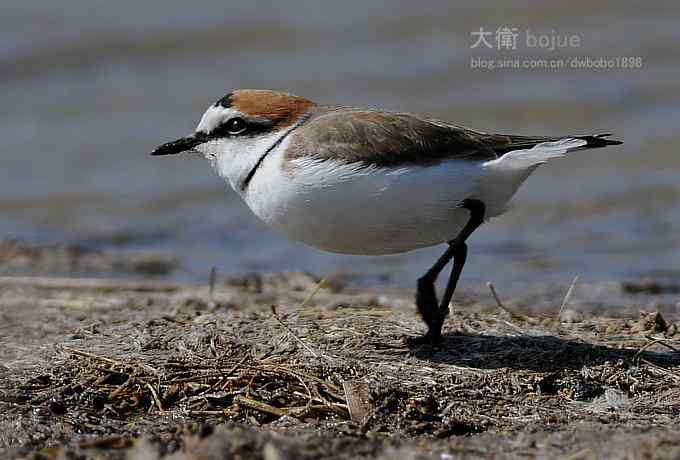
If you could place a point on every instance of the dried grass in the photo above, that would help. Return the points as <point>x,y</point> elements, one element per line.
<point>240,360</point>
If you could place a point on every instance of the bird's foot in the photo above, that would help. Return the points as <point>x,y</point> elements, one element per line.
<point>429,340</point>
<point>432,313</point>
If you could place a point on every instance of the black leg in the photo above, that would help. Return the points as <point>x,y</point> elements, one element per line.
<point>430,310</point>
<point>459,258</point>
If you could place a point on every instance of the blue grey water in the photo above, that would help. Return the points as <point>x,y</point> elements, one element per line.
<point>89,88</point>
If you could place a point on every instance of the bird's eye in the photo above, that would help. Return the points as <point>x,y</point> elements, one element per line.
<point>236,125</point>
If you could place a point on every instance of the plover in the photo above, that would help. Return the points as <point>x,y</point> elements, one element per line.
<point>354,180</point>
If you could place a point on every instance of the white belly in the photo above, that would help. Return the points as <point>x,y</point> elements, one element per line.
<point>358,210</point>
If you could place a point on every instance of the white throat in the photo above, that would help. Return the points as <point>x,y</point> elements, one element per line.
<point>233,159</point>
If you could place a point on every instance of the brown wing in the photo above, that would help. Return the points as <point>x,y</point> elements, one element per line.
<point>386,139</point>
<point>392,139</point>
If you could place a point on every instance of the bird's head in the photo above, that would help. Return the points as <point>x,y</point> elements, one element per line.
<point>237,130</point>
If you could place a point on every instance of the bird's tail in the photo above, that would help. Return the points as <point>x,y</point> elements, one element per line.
<point>506,174</point>
<point>523,159</point>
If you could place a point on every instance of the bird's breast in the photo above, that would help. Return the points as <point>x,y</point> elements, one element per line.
<point>353,208</point>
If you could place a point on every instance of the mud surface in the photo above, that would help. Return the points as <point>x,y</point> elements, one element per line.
<point>270,366</point>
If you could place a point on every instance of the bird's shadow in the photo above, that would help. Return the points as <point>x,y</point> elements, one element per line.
<point>544,353</point>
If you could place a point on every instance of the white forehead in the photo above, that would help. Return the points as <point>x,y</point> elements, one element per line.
<point>214,117</point>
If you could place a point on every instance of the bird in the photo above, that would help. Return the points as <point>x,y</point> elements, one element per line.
<point>366,181</point>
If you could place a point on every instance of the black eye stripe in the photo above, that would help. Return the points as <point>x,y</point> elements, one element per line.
<point>252,128</point>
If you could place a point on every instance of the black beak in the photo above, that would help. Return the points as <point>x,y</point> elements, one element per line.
<point>178,146</point>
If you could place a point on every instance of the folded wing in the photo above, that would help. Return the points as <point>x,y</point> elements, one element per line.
<point>388,139</point>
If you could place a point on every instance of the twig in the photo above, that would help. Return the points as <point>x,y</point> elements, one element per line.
<point>512,326</point>
<point>93,356</point>
<point>515,316</point>
<point>108,360</point>
<point>662,342</point>
<point>663,370</point>
<point>492,288</point>
<point>290,331</point>
<point>330,388</point>
<point>155,397</point>
<point>649,344</point>
<point>340,409</point>
<point>224,376</point>
<point>321,284</point>
<point>259,406</point>
<point>224,412</point>
<point>567,296</point>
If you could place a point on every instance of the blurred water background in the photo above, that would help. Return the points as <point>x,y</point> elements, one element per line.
<point>89,88</point>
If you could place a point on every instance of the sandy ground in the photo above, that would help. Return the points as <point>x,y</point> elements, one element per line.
<point>269,366</point>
